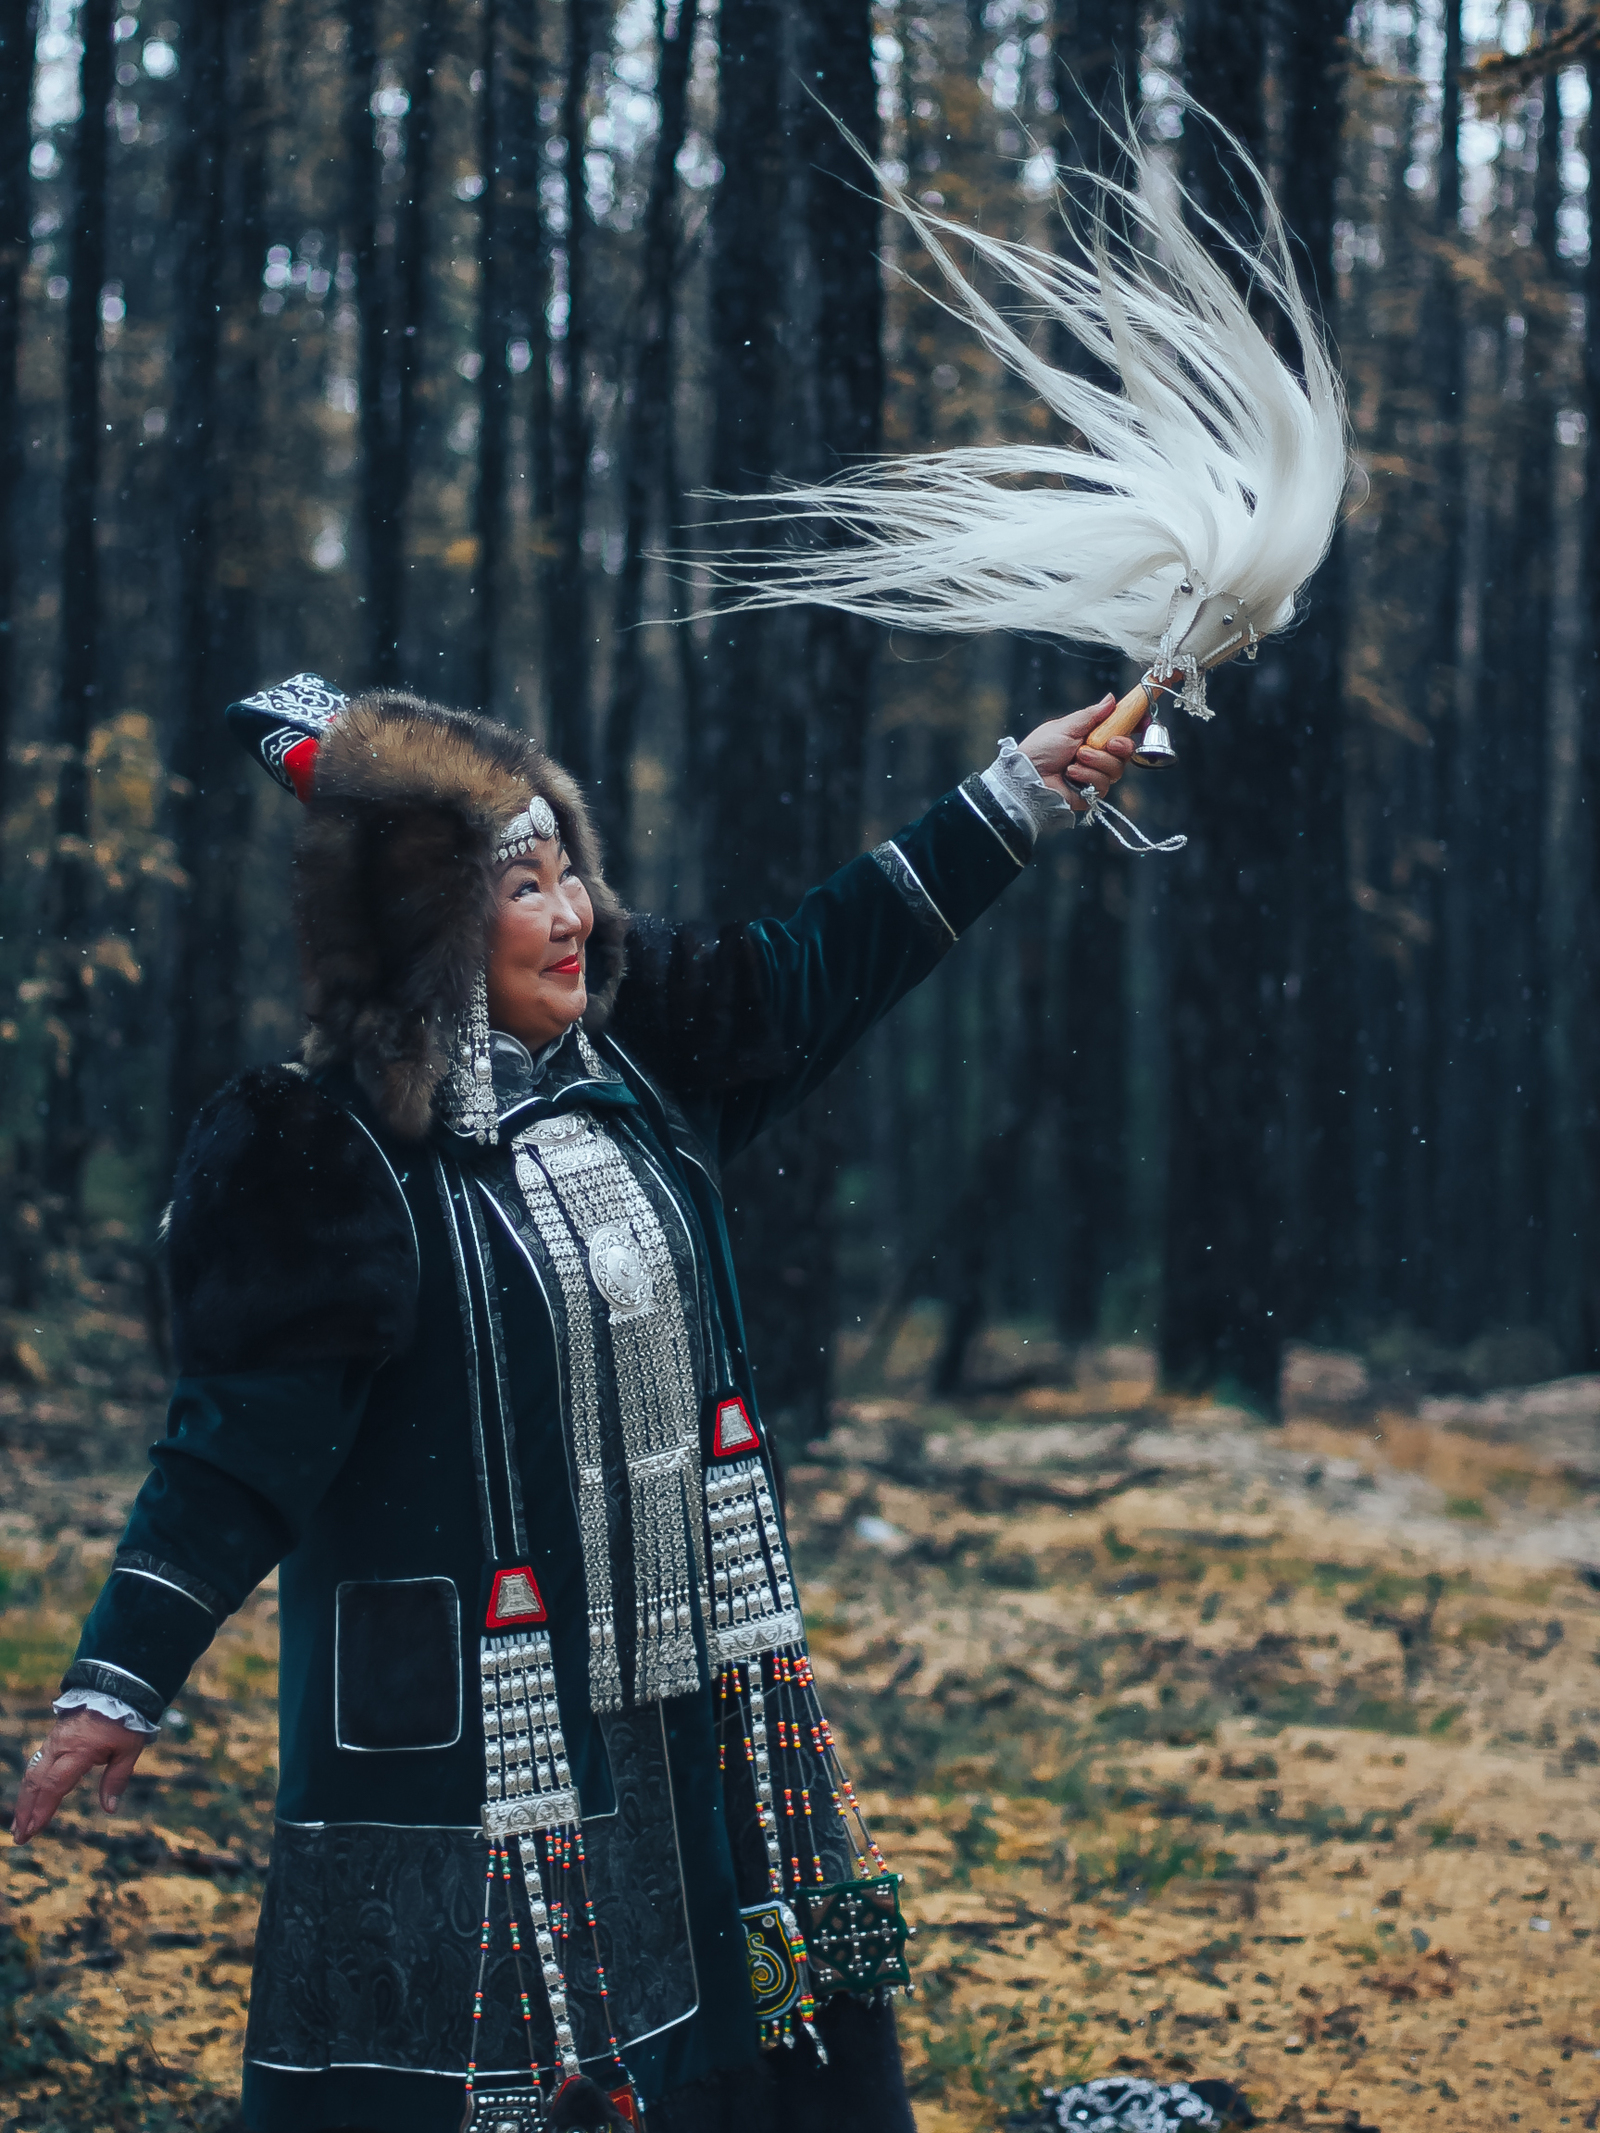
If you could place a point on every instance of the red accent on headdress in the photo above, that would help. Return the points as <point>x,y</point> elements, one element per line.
<point>299,766</point>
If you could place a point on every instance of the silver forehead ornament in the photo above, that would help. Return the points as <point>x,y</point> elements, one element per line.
<point>535,825</point>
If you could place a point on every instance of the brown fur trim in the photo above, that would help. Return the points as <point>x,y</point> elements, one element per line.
<point>395,888</point>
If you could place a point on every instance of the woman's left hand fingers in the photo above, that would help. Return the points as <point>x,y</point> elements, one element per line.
<point>1093,766</point>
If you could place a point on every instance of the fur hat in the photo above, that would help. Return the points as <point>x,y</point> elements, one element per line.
<point>395,886</point>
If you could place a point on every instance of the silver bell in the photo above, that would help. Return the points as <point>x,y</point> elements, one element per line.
<point>1155,751</point>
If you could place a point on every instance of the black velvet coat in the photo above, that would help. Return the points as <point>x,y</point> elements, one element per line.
<point>367,1352</point>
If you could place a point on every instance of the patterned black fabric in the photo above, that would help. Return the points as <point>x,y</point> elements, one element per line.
<point>368,1946</point>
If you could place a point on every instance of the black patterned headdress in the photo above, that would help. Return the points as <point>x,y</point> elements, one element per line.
<point>283,727</point>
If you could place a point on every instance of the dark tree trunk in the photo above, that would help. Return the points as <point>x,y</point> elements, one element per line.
<point>788,1231</point>
<point>202,1000</point>
<point>527,245</point>
<point>1223,1265</point>
<point>1318,991</point>
<point>1506,1027</point>
<point>1589,725</point>
<point>493,335</point>
<point>750,839</point>
<point>1520,775</point>
<point>847,369</point>
<point>649,414</point>
<point>18,25</point>
<point>66,1120</point>
<point>391,267</point>
<point>784,785</point>
<point>566,605</point>
<point>748,857</point>
<point>413,267</point>
<point>1461,1238</point>
<point>1096,66</point>
<point>524,247</point>
<point>1224,66</point>
<point>362,171</point>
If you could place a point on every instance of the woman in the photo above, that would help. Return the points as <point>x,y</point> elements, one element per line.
<point>461,1352</point>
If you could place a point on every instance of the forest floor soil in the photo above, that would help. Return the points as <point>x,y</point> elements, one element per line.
<point>1205,1748</point>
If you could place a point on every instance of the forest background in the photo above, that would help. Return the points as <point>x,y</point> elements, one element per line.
<point>397,342</point>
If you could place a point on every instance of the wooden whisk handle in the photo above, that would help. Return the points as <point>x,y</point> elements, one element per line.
<point>1126,719</point>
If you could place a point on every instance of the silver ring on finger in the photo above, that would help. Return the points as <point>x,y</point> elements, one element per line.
<point>36,1757</point>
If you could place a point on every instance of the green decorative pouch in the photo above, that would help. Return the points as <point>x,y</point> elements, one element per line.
<point>855,1936</point>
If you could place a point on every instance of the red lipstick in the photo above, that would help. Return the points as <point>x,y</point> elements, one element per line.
<point>567,968</point>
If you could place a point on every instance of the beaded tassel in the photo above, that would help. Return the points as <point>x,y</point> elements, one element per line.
<point>483,1962</point>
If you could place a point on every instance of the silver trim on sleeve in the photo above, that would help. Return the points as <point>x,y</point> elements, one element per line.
<point>904,878</point>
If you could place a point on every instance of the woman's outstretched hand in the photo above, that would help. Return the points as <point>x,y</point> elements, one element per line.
<point>78,1742</point>
<point>1056,751</point>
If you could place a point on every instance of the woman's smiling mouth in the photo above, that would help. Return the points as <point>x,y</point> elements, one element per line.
<point>568,967</point>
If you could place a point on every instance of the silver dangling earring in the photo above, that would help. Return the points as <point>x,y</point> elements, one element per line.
<point>471,1105</point>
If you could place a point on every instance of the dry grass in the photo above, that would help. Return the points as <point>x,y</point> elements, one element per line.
<point>1229,1787</point>
<point>1213,1780</point>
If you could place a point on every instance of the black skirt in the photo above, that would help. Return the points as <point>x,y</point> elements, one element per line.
<point>862,2089</point>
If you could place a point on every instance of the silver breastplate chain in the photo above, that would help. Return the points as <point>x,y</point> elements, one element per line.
<point>615,1268</point>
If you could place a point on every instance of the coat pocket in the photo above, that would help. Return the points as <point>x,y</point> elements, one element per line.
<point>397,1665</point>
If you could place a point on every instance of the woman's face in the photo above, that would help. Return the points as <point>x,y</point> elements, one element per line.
<point>536,958</point>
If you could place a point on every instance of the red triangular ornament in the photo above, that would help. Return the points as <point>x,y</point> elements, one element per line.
<point>514,1599</point>
<point>734,1431</point>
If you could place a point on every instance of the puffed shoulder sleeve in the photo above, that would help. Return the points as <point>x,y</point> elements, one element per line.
<point>291,1240</point>
<point>294,1274</point>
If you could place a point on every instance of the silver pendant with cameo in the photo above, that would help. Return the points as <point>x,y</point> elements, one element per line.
<point>617,1268</point>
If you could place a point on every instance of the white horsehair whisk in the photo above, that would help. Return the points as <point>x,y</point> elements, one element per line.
<point>1188,508</point>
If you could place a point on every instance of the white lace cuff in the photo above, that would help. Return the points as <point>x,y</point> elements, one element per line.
<point>1015,784</point>
<point>122,1714</point>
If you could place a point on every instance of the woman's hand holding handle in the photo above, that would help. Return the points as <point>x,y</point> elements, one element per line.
<point>1060,751</point>
<point>78,1742</point>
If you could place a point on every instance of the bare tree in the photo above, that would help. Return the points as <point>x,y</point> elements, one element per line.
<point>1590,725</point>
<point>1319,1205</point>
<point>221,192</point>
<point>566,618</point>
<point>1095,67</point>
<point>648,403</point>
<point>66,1123</point>
<point>1224,1247</point>
<point>494,380</point>
<point>18,23</point>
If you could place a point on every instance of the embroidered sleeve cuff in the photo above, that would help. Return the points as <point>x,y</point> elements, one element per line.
<point>148,1627</point>
<point>1016,787</point>
<point>119,1684</point>
<point>112,1707</point>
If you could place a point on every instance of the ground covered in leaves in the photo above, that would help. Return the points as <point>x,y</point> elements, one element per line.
<point>1205,1749</point>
